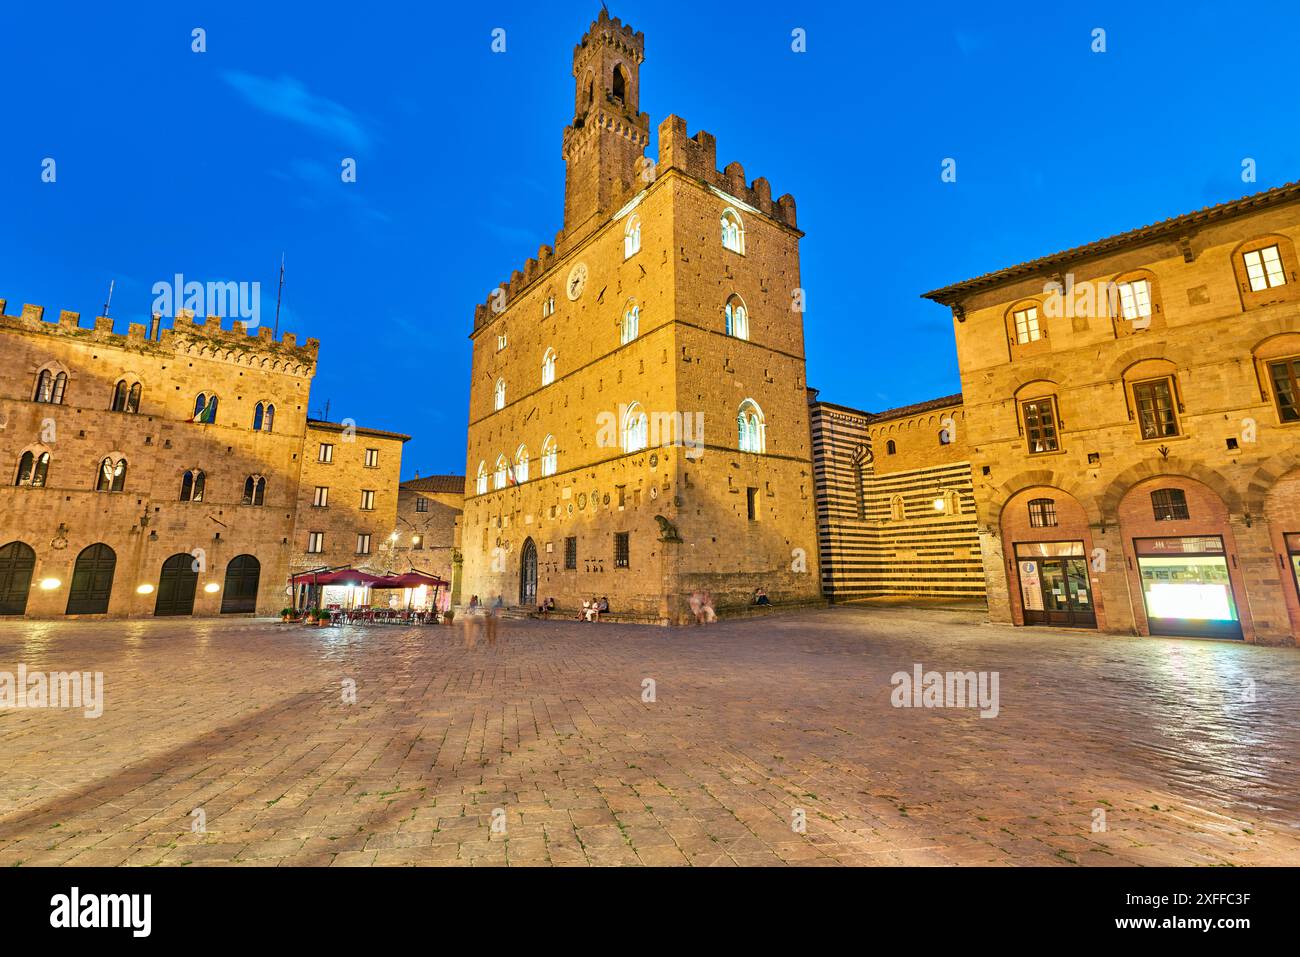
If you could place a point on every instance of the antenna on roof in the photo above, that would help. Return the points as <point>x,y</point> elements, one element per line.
<point>108,302</point>
<point>278,294</point>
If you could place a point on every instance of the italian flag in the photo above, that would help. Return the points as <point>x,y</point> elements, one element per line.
<point>208,413</point>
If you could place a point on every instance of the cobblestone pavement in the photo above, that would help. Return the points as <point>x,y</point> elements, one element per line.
<point>753,721</point>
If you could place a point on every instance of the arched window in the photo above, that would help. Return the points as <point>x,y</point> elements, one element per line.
<point>549,456</point>
<point>548,367</point>
<point>890,447</point>
<point>50,386</point>
<point>632,236</point>
<point>521,464</point>
<point>192,483</point>
<point>631,322</point>
<point>32,468</point>
<point>254,491</point>
<point>636,428</point>
<point>751,428</point>
<point>205,408</point>
<point>480,480</point>
<point>126,396</point>
<point>945,436</point>
<point>737,318</point>
<point>1169,504</point>
<point>949,503</point>
<point>263,417</point>
<point>620,84</point>
<point>500,400</point>
<point>1042,512</point>
<point>733,231</point>
<point>112,475</point>
<point>897,511</point>
<point>499,476</point>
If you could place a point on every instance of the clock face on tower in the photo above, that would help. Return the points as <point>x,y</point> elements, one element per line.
<point>577,280</point>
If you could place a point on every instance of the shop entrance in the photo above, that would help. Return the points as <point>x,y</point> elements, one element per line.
<point>1054,585</point>
<point>1186,587</point>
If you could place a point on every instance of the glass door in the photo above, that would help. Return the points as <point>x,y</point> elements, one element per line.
<point>1054,584</point>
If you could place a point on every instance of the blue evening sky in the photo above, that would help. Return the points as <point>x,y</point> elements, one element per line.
<point>213,164</point>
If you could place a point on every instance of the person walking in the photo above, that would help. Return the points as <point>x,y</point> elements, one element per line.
<point>472,614</point>
<point>494,616</point>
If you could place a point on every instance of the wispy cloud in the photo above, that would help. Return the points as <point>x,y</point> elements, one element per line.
<point>289,99</point>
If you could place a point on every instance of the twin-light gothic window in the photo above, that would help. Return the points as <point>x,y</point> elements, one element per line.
<point>548,367</point>
<point>630,326</point>
<point>499,396</point>
<point>126,396</point>
<point>632,236</point>
<point>33,468</point>
<point>733,231</point>
<point>750,427</point>
<point>737,318</point>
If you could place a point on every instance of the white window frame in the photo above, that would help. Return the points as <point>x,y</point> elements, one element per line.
<point>326,454</point>
<point>363,543</point>
<point>367,500</point>
<point>1261,273</point>
<point>315,543</point>
<point>632,236</point>
<point>321,497</point>
<point>1033,328</point>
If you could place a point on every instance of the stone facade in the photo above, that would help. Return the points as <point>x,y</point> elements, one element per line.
<point>895,502</point>
<point>189,516</point>
<point>625,322</point>
<point>429,513</point>
<point>1132,428</point>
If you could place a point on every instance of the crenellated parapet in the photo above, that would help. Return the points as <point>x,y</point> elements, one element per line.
<point>697,157</point>
<point>615,33</point>
<point>209,339</point>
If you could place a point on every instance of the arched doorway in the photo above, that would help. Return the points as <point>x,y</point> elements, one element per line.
<point>92,581</point>
<point>1049,552</point>
<point>176,586</point>
<point>17,562</point>
<point>528,574</point>
<point>239,596</point>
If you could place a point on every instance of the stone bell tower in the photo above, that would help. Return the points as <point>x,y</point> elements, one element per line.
<point>604,145</point>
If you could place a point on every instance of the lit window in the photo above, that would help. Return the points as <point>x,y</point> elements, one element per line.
<point>737,318</point>
<point>548,367</point>
<point>1169,504</point>
<point>733,232</point>
<point>751,428</point>
<point>636,428</point>
<point>500,394</point>
<point>549,456</point>
<point>1027,328</point>
<point>481,479</point>
<point>315,542</point>
<point>1135,299</point>
<point>417,541</point>
<point>631,322</point>
<point>1042,513</point>
<point>1155,407</point>
<point>363,543</point>
<point>367,500</point>
<point>632,236</point>
<point>1264,268</point>
<point>1040,425</point>
<point>521,464</point>
<point>499,476</point>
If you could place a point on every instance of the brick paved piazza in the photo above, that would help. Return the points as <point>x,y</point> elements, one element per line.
<point>753,720</point>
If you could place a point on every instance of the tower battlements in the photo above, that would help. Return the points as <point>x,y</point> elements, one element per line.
<point>615,33</point>
<point>186,337</point>
<point>697,156</point>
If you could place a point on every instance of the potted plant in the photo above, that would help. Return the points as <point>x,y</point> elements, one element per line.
<point>286,614</point>
<point>322,616</point>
